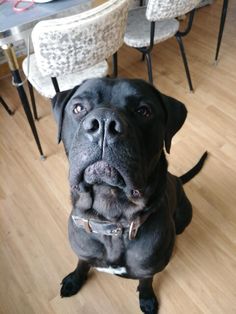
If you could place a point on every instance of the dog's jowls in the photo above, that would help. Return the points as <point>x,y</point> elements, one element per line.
<point>126,207</point>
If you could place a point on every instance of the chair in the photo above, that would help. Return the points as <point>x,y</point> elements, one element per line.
<point>156,22</point>
<point>5,106</point>
<point>221,27</point>
<point>71,49</point>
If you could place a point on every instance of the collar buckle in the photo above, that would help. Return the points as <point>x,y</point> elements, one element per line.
<point>133,229</point>
<point>87,226</point>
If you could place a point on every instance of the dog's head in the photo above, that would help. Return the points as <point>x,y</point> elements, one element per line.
<point>114,131</point>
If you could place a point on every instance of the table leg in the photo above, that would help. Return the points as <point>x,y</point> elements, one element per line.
<point>14,67</point>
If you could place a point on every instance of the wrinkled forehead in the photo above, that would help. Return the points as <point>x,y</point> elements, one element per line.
<point>116,92</point>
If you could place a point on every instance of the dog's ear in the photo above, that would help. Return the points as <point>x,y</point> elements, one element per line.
<point>176,113</point>
<point>59,102</point>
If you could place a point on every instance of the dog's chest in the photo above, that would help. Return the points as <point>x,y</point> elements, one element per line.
<point>115,252</point>
<point>113,270</point>
<point>115,248</point>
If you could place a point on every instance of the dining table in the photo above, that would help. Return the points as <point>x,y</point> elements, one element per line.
<point>17,25</point>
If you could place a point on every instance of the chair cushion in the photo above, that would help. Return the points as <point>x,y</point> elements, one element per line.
<point>138,29</point>
<point>44,86</point>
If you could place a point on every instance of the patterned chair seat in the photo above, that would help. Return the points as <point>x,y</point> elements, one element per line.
<point>43,84</point>
<point>138,29</point>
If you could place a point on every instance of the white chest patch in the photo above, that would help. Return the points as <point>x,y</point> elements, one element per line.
<point>113,271</point>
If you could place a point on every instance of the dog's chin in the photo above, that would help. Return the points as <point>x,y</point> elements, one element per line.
<point>101,172</point>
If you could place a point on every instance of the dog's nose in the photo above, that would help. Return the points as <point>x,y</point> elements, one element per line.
<point>103,124</point>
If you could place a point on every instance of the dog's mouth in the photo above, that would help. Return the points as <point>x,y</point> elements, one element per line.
<point>101,172</point>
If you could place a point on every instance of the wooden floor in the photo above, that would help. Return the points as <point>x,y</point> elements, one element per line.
<point>34,198</point>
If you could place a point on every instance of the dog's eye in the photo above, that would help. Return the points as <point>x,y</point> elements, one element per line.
<point>78,108</point>
<point>144,110</point>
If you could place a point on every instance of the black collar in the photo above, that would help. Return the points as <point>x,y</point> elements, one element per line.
<point>109,228</point>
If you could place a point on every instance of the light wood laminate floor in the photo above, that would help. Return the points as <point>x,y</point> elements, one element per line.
<point>34,197</point>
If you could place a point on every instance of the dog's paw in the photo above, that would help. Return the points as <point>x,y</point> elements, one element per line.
<point>71,284</point>
<point>148,305</point>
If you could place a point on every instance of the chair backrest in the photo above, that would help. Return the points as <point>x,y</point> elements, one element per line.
<point>158,10</point>
<point>73,43</point>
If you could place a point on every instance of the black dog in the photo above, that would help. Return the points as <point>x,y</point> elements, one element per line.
<point>127,208</point>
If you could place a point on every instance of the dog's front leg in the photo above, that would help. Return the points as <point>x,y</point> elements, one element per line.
<point>147,299</point>
<point>73,282</point>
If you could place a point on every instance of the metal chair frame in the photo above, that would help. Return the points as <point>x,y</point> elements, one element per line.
<point>221,28</point>
<point>146,51</point>
<point>5,106</point>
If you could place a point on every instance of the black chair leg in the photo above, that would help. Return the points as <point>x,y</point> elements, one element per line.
<point>17,81</point>
<point>114,65</point>
<point>27,110</point>
<point>181,46</point>
<point>32,98</point>
<point>2,101</point>
<point>221,29</point>
<point>149,66</point>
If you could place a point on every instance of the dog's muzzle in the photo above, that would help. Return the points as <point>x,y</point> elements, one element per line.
<point>100,172</point>
<point>105,150</point>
